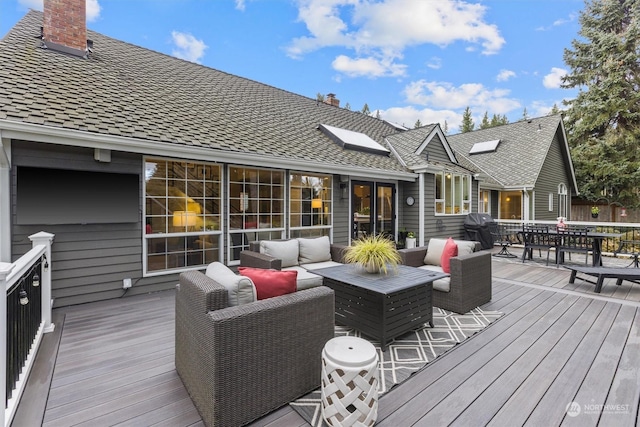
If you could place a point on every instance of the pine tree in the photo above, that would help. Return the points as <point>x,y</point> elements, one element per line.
<point>378,114</point>
<point>320,97</point>
<point>467,121</point>
<point>525,114</point>
<point>554,110</point>
<point>418,124</point>
<point>347,106</point>
<point>484,124</point>
<point>603,121</point>
<point>365,109</point>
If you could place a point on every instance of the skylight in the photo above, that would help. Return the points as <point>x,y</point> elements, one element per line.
<point>351,140</point>
<point>484,147</point>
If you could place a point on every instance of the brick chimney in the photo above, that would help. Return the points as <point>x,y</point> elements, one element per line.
<point>65,26</point>
<point>332,100</point>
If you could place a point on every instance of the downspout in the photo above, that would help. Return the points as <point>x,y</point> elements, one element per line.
<point>421,205</point>
<point>5,199</point>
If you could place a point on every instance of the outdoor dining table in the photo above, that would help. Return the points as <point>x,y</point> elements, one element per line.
<point>597,239</point>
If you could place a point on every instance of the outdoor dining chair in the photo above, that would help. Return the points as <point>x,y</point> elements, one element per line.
<point>537,237</point>
<point>502,237</point>
<point>572,241</point>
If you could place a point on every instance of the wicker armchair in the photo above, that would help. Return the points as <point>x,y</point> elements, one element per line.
<point>470,279</point>
<point>240,363</point>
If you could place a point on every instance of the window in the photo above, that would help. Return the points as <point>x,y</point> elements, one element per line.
<point>550,202</point>
<point>310,205</point>
<point>256,207</point>
<point>484,205</point>
<point>453,193</point>
<point>562,200</point>
<point>182,214</point>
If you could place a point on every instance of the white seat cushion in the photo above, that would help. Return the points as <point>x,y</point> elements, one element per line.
<point>314,250</point>
<point>442,285</point>
<point>240,288</point>
<point>316,265</point>
<point>285,250</point>
<point>305,279</point>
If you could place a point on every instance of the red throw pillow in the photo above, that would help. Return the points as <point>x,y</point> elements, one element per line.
<point>271,283</point>
<point>450,250</point>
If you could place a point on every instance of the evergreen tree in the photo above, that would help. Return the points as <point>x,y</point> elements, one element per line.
<point>484,124</point>
<point>525,114</point>
<point>603,121</point>
<point>467,121</point>
<point>554,110</point>
<point>378,114</point>
<point>365,109</point>
<point>418,124</point>
<point>445,129</point>
<point>347,106</point>
<point>319,97</point>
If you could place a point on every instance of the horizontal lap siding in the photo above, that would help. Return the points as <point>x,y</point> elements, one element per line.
<point>89,261</point>
<point>341,216</point>
<point>554,171</point>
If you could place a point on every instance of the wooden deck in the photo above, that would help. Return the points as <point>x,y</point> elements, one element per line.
<point>556,344</point>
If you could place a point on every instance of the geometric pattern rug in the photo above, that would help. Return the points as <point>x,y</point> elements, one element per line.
<point>408,353</point>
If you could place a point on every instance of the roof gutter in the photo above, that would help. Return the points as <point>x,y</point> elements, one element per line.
<point>76,138</point>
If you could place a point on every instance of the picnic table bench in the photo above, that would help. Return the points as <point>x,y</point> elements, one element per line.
<point>601,273</point>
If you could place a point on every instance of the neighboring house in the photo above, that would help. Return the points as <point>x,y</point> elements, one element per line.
<point>525,168</point>
<point>144,165</point>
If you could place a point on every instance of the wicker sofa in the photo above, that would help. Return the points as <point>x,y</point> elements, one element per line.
<point>302,255</point>
<point>469,283</point>
<point>241,362</point>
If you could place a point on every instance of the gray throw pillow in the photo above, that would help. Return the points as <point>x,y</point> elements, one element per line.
<point>314,250</point>
<point>286,250</point>
<point>240,288</point>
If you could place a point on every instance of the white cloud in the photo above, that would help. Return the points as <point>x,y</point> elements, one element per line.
<point>187,47</point>
<point>240,5</point>
<point>435,63</point>
<point>369,67</point>
<point>553,80</point>
<point>475,95</point>
<point>373,28</point>
<point>93,7</point>
<point>407,116</point>
<point>505,75</point>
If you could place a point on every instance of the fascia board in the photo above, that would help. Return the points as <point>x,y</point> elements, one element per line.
<point>70,137</point>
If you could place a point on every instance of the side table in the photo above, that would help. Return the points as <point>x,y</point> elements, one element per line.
<point>349,389</point>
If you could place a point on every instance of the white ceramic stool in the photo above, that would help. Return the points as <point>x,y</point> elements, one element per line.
<point>349,390</point>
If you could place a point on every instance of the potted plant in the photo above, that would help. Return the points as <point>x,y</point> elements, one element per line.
<point>410,241</point>
<point>595,211</point>
<point>374,253</point>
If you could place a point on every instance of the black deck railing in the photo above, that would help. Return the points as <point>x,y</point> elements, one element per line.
<point>24,317</point>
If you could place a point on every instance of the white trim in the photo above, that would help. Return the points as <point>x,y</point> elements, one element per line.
<point>421,204</point>
<point>39,133</point>
<point>5,199</point>
<point>445,144</point>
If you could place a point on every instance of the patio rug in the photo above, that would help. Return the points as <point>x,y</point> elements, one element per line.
<point>408,353</point>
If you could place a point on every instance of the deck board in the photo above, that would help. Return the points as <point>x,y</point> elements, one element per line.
<point>557,342</point>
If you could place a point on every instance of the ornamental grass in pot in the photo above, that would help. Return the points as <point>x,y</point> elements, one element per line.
<point>374,253</point>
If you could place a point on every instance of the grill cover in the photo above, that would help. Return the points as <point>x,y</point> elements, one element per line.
<point>476,227</point>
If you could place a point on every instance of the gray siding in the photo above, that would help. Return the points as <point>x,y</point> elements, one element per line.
<point>89,261</point>
<point>554,171</point>
<point>408,216</point>
<point>436,151</point>
<point>341,216</point>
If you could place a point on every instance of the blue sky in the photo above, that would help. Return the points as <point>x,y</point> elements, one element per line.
<point>407,59</point>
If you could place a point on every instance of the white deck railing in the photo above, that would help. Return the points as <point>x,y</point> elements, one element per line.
<point>10,275</point>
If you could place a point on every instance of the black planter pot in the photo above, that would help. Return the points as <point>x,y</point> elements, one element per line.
<point>594,215</point>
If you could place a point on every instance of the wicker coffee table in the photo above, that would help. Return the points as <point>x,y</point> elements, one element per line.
<point>382,306</point>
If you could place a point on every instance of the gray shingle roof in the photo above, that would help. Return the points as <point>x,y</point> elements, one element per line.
<point>518,158</point>
<point>129,91</point>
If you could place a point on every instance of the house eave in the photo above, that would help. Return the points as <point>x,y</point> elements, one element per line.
<point>72,137</point>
